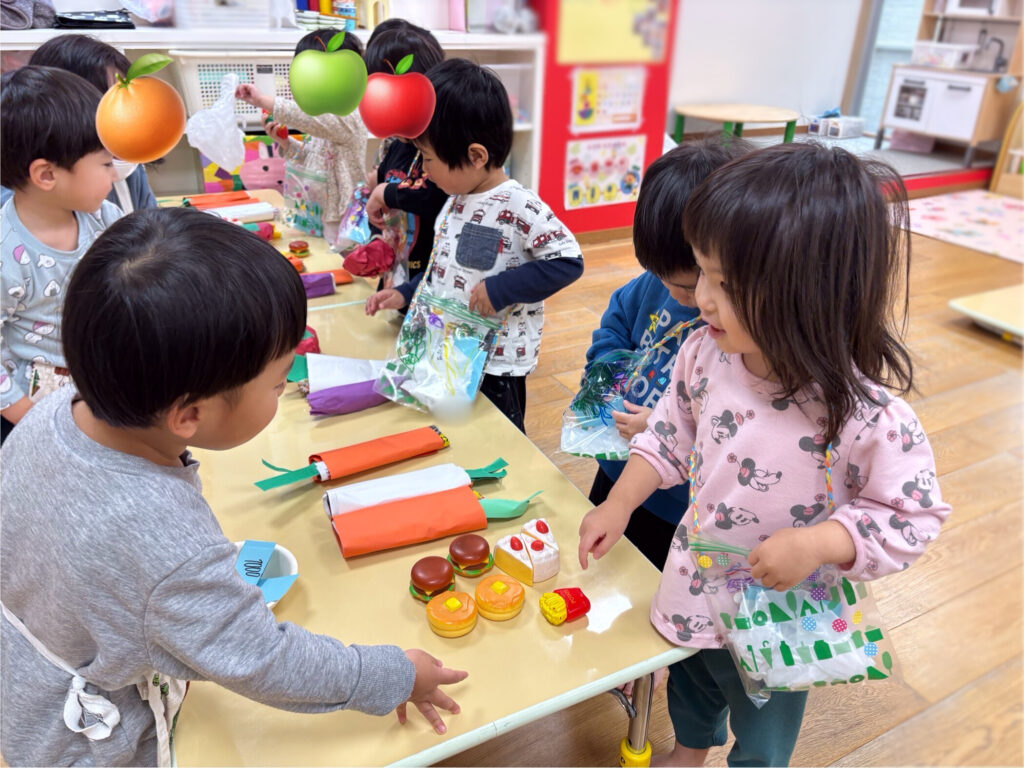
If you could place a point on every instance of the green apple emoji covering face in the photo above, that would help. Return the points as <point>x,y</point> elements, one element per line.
<point>328,81</point>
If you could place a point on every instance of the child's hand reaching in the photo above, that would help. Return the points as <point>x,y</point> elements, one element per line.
<point>271,127</point>
<point>375,206</point>
<point>480,302</point>
<point>250,94</point>
<point>789,555</point>
<point>633,421</point>
<point>601,528</point>
<point>426,695</point>
<point>389,298</point>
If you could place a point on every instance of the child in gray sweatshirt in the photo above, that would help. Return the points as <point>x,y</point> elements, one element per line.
<point>117,583</point>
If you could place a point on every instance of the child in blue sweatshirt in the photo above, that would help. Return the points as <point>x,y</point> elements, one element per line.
<point>642,311</point>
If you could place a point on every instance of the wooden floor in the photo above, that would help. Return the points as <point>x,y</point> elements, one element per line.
<point>955,615</point>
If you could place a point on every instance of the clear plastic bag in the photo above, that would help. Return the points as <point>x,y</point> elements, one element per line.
<point>354,229</point>
<point>214,130</point>
<point>440,354</point>
<point>304,194</point>
<point>588,428</point>
<point>824,631</point>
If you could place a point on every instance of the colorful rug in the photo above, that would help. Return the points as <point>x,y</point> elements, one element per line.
<point>975,219</point>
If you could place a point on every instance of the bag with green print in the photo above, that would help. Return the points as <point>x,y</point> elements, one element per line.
<point>305,192</point>
<point>825,631</point>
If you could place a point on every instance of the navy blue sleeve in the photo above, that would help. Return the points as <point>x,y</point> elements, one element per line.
<point>409,288</point>
<point>533,281</point>
<point>138,186</point>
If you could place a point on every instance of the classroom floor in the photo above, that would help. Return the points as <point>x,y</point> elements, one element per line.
<point>956,615</point>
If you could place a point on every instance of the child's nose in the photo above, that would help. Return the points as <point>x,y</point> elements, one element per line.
<point>704,303</point>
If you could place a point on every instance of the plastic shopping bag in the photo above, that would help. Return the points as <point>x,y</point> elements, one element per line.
<point>215,132</point>
<point>824,631</point>
<point>304,194</point>
<point>588,428</point>
<point>440,354</point>
<point>354,229</point>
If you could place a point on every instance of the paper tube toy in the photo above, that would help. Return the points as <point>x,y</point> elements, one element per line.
<point>318,284</point>
<point>412,507</point>
<point>342,462</point>
<point>342,384</point>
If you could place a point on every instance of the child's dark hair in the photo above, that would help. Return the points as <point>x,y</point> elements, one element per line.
<point>472,108</point>
<point>395,39</point>
<point>667,185</point>
<point>814,250</point>
<point>85,56</point>
<point>318,39</point>
<point>173,305</point>
<point>45,113</point>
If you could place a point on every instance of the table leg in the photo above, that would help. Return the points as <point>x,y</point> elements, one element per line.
<point>727,130</point>
<point>968,156</point>
<point>879,138</point>
<point>635,749</point>
<point>678,133</point>
<point>790,132</point>
<point>737,130</point>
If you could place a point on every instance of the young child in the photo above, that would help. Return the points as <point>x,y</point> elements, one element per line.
<point>399,182</point>
<point>60,174</point>
<point>645,309</point>
<point>113,561</point>
<point>98,63</point>
<point>800,263</point>
<point>500,249</point>
<point>333,151</point>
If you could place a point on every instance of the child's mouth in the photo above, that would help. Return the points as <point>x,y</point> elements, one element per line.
<point>714,332</point>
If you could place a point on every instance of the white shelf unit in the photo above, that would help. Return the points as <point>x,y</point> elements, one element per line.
<point>263,56</point>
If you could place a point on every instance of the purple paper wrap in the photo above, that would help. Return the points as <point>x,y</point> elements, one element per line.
<point>318,284</point>
<point>347,398</point>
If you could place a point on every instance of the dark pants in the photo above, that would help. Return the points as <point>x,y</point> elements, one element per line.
<point>5,429</point>
<point>508,393</point>
<point>705,690</point>
<point>649,533</point>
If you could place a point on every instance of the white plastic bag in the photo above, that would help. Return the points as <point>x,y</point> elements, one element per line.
<point>214,131</point>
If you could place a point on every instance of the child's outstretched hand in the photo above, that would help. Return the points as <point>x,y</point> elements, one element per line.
<point>389,298</point>
<point>480,302</point>
<point>375,206</point>
<point>271,127</point>
<point>601,528</point>
<point>426,696</point>
<point>633,421</point>
<point>250,94</point>
<point>789,555</point>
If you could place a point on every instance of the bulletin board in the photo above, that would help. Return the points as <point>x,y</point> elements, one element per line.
<point>603,171</point>
<point>612,31</point>
<point>607,99</point>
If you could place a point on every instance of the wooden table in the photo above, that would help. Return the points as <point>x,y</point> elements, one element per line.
<point>520,670</point>
<point>1000,311</point>
<point>733,116</point>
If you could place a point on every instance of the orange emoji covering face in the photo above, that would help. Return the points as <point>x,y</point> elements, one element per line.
<point>452,614</point>
<point>499,597</point>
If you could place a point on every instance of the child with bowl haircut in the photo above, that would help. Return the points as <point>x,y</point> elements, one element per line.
<point>61,175</point>
<point>118,584</point>
<point>499,248</point>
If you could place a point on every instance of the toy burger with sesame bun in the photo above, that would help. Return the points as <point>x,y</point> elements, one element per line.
<point>470,555</point>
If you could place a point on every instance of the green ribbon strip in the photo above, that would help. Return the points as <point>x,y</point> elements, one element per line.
<point>506,509</point>
<point>299,369</point>
<point>698,544</point>
<point>286,476</point>
<point>493,471</point>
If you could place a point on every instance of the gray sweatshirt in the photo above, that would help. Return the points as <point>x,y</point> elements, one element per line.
<point>119,567</point>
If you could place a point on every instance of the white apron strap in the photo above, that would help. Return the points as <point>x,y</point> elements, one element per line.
<point>124,196</point>
<point>77,702</point>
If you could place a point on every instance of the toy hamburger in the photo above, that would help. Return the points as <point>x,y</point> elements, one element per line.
<point>430,577</point>
<point>499,598</point>
<point>452,614</point>
<point>299,248</point>
<point>470,555</point>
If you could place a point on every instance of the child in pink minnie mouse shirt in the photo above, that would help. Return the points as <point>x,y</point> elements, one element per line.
<point>784,389</point>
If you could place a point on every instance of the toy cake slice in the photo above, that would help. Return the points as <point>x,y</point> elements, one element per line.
<point>530,556</point>
<point>511,556</point>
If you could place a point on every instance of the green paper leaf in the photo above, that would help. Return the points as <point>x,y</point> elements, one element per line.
<point>335,42</point>
<point>299,370</point>
<point>147,65</point>
<point>493,471</point>
<point>403,65</point>
<point>287,477</point>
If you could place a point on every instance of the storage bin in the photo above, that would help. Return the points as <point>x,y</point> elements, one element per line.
<point>950,55</point>
<point>202,71</point>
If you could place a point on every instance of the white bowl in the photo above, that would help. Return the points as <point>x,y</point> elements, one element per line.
<point>282,563</point>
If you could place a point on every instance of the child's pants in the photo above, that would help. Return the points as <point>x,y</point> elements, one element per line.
<point>508,393</point>
<point>706,688</point>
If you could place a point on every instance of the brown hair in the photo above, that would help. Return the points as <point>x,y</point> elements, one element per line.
<point>814,257</point>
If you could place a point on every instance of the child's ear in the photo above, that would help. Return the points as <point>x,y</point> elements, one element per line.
<point>478,156</point>
<point>43,174</point>
<point>183,420</point>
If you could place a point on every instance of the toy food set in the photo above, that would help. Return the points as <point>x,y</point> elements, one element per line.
<point>499,598</point>
<point>430,577</point>
<point>281,132</point>
<point>452,614</point>
<point>298,248</point>
<point>470,555</point>
<point>439,355</point>
<point>564,605</point>
<point>337,385</point>
<point>413,507</point>
<point>352,459</point>
<point>529,556</point>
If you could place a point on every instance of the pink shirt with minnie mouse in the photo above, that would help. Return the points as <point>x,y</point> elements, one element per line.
<point>760,466</point>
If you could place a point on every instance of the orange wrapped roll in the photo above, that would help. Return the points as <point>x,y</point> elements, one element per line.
<point>352,459</point>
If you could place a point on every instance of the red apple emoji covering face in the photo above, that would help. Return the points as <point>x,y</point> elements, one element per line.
<point>398,105</point>
<point>328,81</point>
